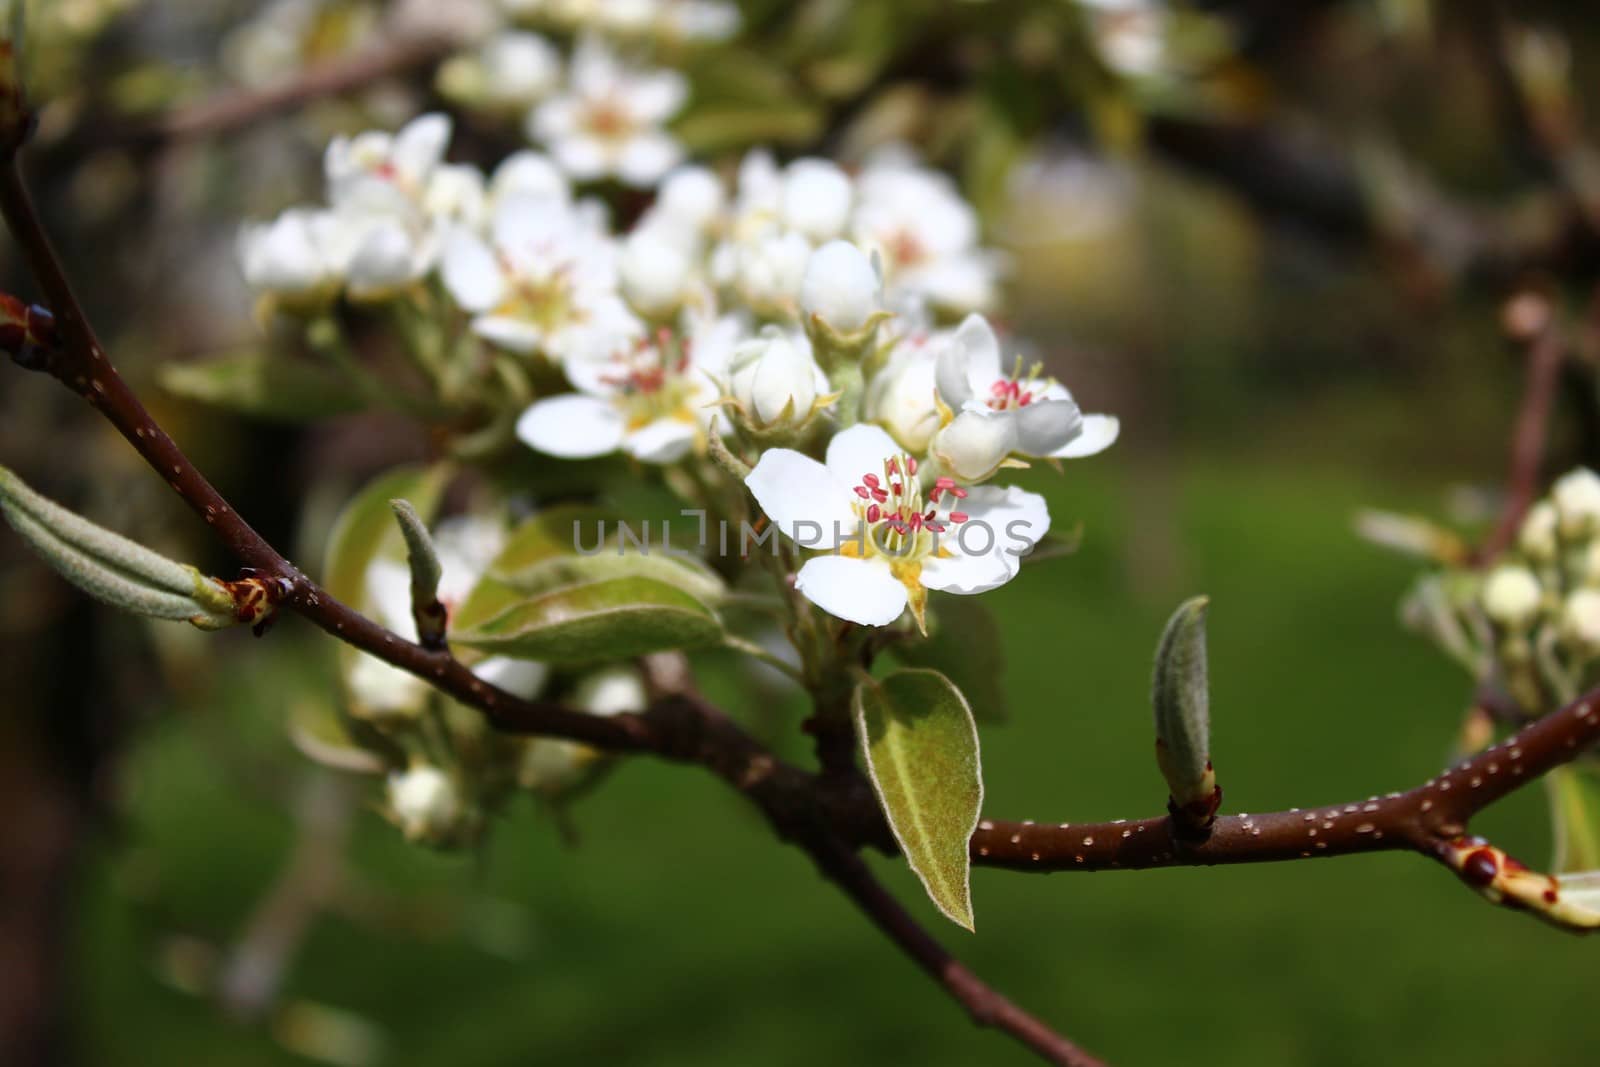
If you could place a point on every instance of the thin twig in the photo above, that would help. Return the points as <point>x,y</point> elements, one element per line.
<point>336,77</point>
<point>1545,355</point>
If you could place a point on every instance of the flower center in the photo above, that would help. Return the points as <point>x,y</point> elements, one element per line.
<point>608,120</point>
<point>1019,390</point>
<point>900,522</point>
<point>905,249</point>
<point>546,302</point>
<point>652,379</point>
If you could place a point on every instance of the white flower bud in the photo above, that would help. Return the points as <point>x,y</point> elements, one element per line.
<point>1577,500</point>
<point>1537,538</point>
<point>901,400</point>
<point>519,68</point>
<point>774,375</point>
<point>768,271</point>
<point>973,446</point>
<point>841,287</point>
<point>816,198</point>
<point>611,691</point>
<point>1511,596</point>
<point>1580,620</point>
<point>654,274</point>
<point>289,254</point>
<point>691,196</point>
<point>425,803</point>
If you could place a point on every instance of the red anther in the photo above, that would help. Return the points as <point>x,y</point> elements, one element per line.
<point>958,492</point>
<point>933,495</point>
<point>936,527</point>
<point>874,513</point>
<point>870,479</point>
<point>916,522</point>
<point>879,495</point>
<point>959,516</point>
<point>893,466</point>
<point>911,465</point>
<point>861,491</point>
<point>896,488</point>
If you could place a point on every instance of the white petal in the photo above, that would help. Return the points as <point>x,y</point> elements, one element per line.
<point>385,260</point>
<point>803,498</point>
<point>973,446</point>
<point>862,449</point>
<point>961,573</point>
<point>420,145</point>
<point>582,156</point>
<point>656,97</point>
<point>969,362</point>
<point>662,441</point>
<point>859,590</point>
<point>1047,425</point>
<point>471,273</point>
<point>572,426</point>
<point>1099,433</point>
<point>1005,522</point>
<point>509,333</point>
<point>644,158</point>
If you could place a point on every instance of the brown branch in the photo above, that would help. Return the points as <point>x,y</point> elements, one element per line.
<point>335,77</point>
<point>1544,358</point>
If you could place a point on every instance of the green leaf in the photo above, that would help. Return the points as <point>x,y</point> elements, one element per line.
<point>263,384</point>
<point>608,620</point>
<point>964,642</point>
<point>1180,697</point>
<point>921,747</point>
<point>1574,792</point>
<point>716,128</point>
<point>681,572</point>
<point>548,535</point>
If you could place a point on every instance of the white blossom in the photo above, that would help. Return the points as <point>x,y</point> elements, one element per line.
<point>654,399</point>
<point>609,122</point>
<point>425,803</point>
<point>841,287</point>
<point>1512,596</point>
<point>902,398</point>
<point>295,255</point>
<point>1580,620</point>
<point>1577,500</point>
<point>656,275</point>
<point>999,413</point>
<point>545,282</point>
<point>888,540</point>
<point>511,70</point>
<point>816,198</point>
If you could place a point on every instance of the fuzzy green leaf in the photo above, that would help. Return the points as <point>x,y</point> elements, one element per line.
<point>921,747</point>
<point>263,384</point>
<point>1181,700</point>
<point>548,535</point>
<point>681,572</point>
<point>607,620</point>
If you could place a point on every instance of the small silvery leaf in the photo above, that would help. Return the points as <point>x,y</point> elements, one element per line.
<point>428,613</point>
<point>111,568</point>
<point>1181,700</point>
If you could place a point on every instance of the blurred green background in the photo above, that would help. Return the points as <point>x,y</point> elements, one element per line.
<point>1281,356</point>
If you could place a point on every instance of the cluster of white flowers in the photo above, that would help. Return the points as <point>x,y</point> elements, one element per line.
<point>1531,622</point>
<point>801,303</point>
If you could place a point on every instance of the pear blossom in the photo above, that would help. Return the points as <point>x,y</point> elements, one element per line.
<point>902,398</point>
<point>426,804</point>
<point>890,539</point>
<point>775,380</point>
<point>294,256</point>
<point>1580,621</point>
<point>546,282</point>
<point>841,287</point>
<point>1130,35</point>
<point>509,71</point>
<point>609,122</point>
<point>1577,501</point>
<point>927,236</point>
<point>999,413</point>
<point>816,198</point>
<point>1512,595</point>
<point>653,399</point>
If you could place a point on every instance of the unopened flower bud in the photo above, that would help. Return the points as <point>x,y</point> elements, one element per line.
<point>901,400</point>
<point>1537,538</point>
<point>973,446</point>
<point>1511,596</point>
<point>691,196</point>
<point>774,379</point>
<point>1580,620</point>
<point>1577,500</point>
<point>654,274</point>
<point>841,287</point>
<point>816,198</point>
<point>426,804</point>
